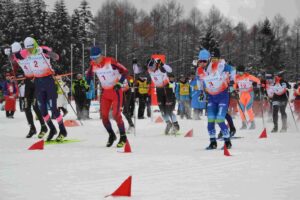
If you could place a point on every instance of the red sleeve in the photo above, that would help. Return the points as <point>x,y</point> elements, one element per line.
<point>118,66</point>
<point>122,70</point>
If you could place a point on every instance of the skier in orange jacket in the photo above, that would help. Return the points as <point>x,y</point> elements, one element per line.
<point>243,82</point>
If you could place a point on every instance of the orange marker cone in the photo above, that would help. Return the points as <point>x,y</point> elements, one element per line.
<point>263,134</point>
<point>37,146</point>
<point>189,133</point>
<point>124,189</point>
<point>226,152</point>
<point>127,148</point>
<point>71,123</point>
<point>159,120</point>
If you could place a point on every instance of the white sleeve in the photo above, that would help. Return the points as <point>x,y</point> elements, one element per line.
<point>167,68</point>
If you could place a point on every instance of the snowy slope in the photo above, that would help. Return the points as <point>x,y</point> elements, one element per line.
<point>162,167</point>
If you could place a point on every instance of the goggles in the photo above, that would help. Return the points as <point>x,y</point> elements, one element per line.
<point>95,57</point>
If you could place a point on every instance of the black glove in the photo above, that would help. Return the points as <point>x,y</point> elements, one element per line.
<point>117,86</point>
<point>159,62</point>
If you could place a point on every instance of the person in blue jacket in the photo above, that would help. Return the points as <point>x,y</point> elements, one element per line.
<point>216,75</point>
<point>198,96</point>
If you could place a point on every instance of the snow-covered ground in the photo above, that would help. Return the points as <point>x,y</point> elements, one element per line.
<point>162,167</point>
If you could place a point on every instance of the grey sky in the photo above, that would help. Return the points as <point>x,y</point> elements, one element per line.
<point>249,11</point>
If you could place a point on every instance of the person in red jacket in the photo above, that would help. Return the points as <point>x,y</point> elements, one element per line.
<point>111,74</point>
<point>10,95</point>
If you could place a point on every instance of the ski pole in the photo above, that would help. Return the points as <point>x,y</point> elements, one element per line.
<point>292,112</point>
<point>134,96</point>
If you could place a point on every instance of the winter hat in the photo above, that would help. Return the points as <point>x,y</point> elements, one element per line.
<point>29,42</point>
<point>95,52</point>
<point>240,68</point>
<point>215,53</point>
<point>204,55</point>
<point>16,47</point>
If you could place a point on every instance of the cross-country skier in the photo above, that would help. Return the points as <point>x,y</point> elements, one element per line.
<point>244,84</point>
<point>30,97</point>
<point>216,81</point>
<point>280,96</point>
<point>165,94</point>
<point>128,102</point>
<point>111,75</point>
<point>38,59</point>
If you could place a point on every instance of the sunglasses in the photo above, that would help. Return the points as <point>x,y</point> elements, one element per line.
<point>202,61</point>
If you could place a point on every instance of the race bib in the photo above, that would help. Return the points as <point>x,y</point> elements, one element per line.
<point>107,76</point>
<point>244,85</point>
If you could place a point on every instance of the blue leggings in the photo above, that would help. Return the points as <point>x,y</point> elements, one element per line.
<point>46,95</point>
<point>217,108</point>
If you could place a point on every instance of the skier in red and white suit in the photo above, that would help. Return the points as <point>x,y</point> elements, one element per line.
<point>111,75</point>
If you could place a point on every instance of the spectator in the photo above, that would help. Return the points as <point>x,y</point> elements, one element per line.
<point>21,95</point>
<point>62,93</point>
<point>79,89</point>
<point>10,96</point>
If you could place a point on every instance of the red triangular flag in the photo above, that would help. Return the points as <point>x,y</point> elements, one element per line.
<point>124,189</point>
<point>226,152</point>
<point>127,148</point>
<point>263,134</point>
<point>159,120</point>
<point>37,146</point>
<point>189,133</point>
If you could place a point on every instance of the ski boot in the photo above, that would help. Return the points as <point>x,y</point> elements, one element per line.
<point>213,144</point>
<point>228,143</point>
<point>43,131</point>
<point>252,125</point>
<point>61,136</point>
<point>283,130</point>
<point>275,129</point>
<point>112,137</point>
<point>122,141</point>
<point>168,128</point>
<point>175,128</point>
<point>244,126</point>
<point>232,131</point>
<point>284,126</point>
<point>51,134</point>
<point>32,132</point>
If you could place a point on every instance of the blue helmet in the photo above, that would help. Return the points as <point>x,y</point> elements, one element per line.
<point>204,55</point>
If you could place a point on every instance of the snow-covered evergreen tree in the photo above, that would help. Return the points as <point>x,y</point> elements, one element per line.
<point>41,21</point>
<point>60,38</point>
<point>269,48</point>
<point>25,20</point>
